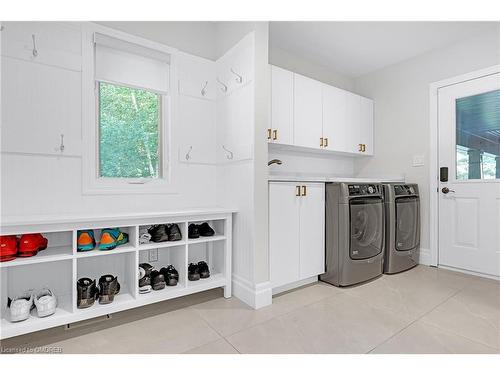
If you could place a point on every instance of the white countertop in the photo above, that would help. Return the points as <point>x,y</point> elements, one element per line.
<point>309,177</point>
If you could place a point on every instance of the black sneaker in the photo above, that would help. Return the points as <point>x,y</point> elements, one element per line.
<point>174,233</point>
<point>145,277</point>
<point>86,292</point>
<point>171,275</point>
<point>205,230</point>
<point>193,272</point>
<point>203,270</point>
<point>159,233</point>
<point>193,231</point>
<point>108,288</point>
<point>157,280</point>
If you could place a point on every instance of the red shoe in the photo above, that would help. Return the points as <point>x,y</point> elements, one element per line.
<point>30,244</point>
<point>8,248</point>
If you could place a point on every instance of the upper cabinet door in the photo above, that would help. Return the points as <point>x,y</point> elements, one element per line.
<point>335,126</point>
<point>353,125</point>
<point>308,116</point>
<point>281,106</point>
<point>366,127</point>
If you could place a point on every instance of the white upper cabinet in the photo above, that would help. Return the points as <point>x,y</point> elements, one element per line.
<point>308,116</point>
<point>281,130</point>
<point>311,114</point>
<point>50,43</point>
<point>335,126</point>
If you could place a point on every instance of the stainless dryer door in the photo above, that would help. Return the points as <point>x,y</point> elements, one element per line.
<point>366,228</point>
<point>407,223</point>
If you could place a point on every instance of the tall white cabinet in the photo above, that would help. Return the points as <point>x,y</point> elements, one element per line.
<point>296,231</point>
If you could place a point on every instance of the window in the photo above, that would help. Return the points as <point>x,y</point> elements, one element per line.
<point>127,116</point>
<point>129,132</point>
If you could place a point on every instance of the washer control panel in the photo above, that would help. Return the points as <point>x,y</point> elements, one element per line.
<point>404,190</point>
<point>365,189</point>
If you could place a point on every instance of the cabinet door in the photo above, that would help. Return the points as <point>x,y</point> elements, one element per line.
<point>312,230</point>
<point>284,232</point>
<point>335,126</point>
<point>353,125</point>
<point>281,105</point>
<point>307,112</point>
<point>366,125</point>
<point>39,104</point>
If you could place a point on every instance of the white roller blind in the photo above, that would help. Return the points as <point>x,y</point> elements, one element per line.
<point>121,62</point>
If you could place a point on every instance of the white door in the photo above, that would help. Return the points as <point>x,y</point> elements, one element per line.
<point>469,202</point>
<point>284,203</point>
<point>281,106</point>
<point>312,230</point>
<point>335,130</point>
<point>308,116</point>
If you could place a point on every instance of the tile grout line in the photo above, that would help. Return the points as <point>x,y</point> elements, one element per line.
<point>414,321</point>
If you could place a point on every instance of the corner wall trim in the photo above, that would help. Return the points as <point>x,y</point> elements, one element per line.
<point>425,257</point>
<point>255,295</point>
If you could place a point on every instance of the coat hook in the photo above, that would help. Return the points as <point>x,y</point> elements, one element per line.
<point>61,147</point>
<point>35,52</point>
<point>224,87</point>
<point>239,78</point>
<point>188,154</point>
<point>230,153</point>
<point>204,89</point>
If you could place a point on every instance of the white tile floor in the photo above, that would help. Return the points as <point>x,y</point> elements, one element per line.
<point>424,310</point>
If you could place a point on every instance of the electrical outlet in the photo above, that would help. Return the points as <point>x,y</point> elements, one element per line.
<point>418,160</point>
<point>153,255</point>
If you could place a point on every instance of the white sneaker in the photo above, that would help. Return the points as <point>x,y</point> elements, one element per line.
<point>45,302</point>
<point>21,306</point>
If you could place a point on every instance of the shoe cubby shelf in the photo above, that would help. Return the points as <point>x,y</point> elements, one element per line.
<point>60,265</point>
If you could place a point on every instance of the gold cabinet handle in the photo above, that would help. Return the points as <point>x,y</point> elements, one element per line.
<point>297,191</point>
<point>275,134</point>
<point>269,133</point>
<point>321,142</point>
<point>304,190</point>
<point>360,149</point>
<point>326,142</point>
<point>364,147</point>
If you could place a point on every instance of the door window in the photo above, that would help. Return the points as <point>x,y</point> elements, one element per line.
<point>478,136</point>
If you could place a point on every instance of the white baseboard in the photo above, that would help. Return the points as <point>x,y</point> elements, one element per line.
<point>254,295</point>
<point>296,284</point>
<point>425,257</point>
<point>473,273</point>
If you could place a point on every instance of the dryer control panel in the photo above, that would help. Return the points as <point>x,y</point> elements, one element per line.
<point>404,190</point>
<point>365,189</point>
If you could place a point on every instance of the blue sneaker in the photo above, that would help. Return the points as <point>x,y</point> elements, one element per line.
<point>111,238</point>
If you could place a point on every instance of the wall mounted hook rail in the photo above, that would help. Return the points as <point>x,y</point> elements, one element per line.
<point>230,154</point>
<point>224,87</point>
<point>35,51</point>
<point>239,78</point>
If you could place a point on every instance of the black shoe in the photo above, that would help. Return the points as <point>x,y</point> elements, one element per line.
<point>174,233</point>
<point>159,233</point>
<point>145,277</point>
<point>193,272</point>
<point>203,270</point>
<point>87,292</point>
<point>205,230</point>
<point>108,287</point>
<point>171,275</point>
<point>193,231</point>
<point>157,280</point>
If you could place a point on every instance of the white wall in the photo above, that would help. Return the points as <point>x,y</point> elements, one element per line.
<point>194,37</point>
<point>401,94</point>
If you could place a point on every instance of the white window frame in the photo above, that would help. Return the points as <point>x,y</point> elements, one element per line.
<point>92,183</point>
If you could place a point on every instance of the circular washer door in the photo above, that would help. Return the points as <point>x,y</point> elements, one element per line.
<point>366,227</point>
<point>407,223</point>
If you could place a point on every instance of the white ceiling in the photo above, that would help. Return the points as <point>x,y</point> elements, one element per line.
<point>357,48</point>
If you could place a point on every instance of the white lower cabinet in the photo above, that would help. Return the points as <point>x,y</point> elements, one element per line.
<point>296,231</point>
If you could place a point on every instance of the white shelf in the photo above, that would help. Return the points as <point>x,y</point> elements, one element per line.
<point>96,252</point>
<point>217,279</point>
<point>217,237</point>
<point>168,292</point>
<point>51,254</point>
<point>160,245</point>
